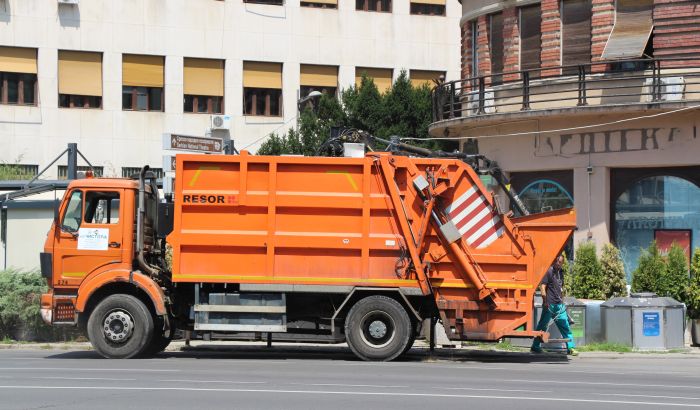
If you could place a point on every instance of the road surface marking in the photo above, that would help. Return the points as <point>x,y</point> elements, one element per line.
<point>601,383</point>
<point>508,390</point>
<point>360,393</point>
<point>65,378</point>
<point>104,369</point>
<point>645,395</point>
<point>210,381</point>
<point>346,385</point>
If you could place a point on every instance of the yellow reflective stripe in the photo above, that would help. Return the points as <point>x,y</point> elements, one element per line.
<point>437,283</point>
<point>74,274</point>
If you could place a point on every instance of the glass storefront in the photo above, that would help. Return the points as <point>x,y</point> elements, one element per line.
<point>545,195</point>
<point>652,206</point>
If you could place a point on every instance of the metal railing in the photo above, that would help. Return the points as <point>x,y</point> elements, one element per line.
<point>627,82</point>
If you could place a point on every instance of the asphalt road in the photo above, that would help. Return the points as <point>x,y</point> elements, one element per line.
<point>331,378</point>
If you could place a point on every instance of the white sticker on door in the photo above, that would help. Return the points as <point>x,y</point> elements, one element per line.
<point>93,239</point>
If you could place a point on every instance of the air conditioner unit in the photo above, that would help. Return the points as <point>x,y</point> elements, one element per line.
<point>220,122</point>
<point>473,102</point>
<point>67,1</point>
<point>672,89</point>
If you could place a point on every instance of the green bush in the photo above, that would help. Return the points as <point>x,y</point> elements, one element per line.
<point>587,278</point>
<point>693,292</point>
<point>613,273</point>
<point>675,281</point>
<point>650,267</point>
<point>20,294</point>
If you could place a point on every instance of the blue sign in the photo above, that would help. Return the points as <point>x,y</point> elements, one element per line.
<point>650,324</point>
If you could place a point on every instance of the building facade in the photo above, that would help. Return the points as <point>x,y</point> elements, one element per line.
<point>113,76</point>
<point>590,103</point>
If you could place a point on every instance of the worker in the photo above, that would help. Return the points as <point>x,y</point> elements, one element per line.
<point>553,307</point>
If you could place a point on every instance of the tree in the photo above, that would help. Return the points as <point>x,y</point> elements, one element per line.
<point>675,282</point>
<point>613,272</point>
<point>693,291</point>
<point>403,110</point>
<point>587,280</point>
<point>650,268</point>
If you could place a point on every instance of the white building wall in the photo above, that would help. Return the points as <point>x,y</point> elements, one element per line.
<point>230,30</point>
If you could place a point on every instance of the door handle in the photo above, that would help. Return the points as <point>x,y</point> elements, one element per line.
<point>114,244</point>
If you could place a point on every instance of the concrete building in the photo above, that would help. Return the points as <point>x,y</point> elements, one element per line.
<point>113,76</point>
<point>590,103</point>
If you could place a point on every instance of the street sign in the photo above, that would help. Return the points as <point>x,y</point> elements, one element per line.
<point>193,144</point>
<point>169,163</point>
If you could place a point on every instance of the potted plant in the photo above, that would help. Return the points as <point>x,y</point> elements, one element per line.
<point>693,298</point>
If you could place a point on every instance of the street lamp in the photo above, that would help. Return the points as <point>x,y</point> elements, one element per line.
<point>312,96</point>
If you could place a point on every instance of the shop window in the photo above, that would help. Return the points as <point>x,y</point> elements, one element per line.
<point>652,207</point>
<point>576,34</point>
<point>545,195</point>
<point>428,8</point>
<point>531,39</point>
<point>203,85</point>
<point>18,76</point>
<point>373,5</point>
<point>496,43</point>
<point>142,82</point>
<point>79,79</point>
<point>320,4</point>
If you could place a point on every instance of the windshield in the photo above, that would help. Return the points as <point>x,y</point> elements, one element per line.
<point>74,212</point>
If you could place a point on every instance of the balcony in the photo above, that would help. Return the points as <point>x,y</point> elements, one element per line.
<point>590,89</point>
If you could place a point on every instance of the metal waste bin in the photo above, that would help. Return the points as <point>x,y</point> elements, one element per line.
<point>644,321</point>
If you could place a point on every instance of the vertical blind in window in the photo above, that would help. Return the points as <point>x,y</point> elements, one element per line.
<point>204,76</point>
<point>382,77</point>
<point>530,38</point>
<point>142,70</point>
<point>18,60</point>
<point>262,75</point>
<point>576,32</point>
<point>80,73</point>
<point>319,75</point>
<point>496,42</point>
<point>420,77</point>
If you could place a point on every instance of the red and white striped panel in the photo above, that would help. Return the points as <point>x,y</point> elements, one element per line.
<point>475,219</point>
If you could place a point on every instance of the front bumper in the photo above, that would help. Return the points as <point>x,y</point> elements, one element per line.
<point>58,309</point>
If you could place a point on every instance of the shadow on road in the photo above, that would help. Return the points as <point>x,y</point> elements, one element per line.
<point>341,353</point>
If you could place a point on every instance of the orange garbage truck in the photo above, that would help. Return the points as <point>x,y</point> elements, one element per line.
<point>356,250</point>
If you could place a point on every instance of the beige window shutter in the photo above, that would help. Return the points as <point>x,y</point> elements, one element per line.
<point>382,77</point>
<point>142,70</point>
<point>18,60</point>
<point>319,75</point>
<point>80,73</point>
<point>262,75</point>
<point>420,77</point>
<point>322,1</point>
<point>632,29</point>
<point>433,2</point>
<point>204,76</point>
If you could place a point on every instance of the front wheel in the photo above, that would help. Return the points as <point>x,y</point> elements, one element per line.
<point>378,328</point>
<point>120,327</point>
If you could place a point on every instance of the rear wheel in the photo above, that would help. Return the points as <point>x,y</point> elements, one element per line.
<point>120,327</point>
<point>378,328</point>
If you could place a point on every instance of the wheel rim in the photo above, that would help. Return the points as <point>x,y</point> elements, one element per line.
<point>118,326</point>
<point>378,329</point>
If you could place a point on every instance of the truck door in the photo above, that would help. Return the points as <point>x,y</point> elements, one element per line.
<point>90,235</point>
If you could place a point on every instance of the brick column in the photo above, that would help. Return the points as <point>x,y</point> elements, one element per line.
<point>483,46</point>
<point>551,36</point>
<point>602,21</point>
<point>511,43</point>
<point>467,50</point>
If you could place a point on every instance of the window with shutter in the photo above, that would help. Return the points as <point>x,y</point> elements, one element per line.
<point>496,42</point>
<point>531,39</point>
<point>576,33</point>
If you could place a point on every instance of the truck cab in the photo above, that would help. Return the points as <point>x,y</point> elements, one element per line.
<point>92,252</point>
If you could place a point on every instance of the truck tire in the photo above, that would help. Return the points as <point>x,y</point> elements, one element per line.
<point>159,341</point>
<point>120,327</point>
<point>378,328</point>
